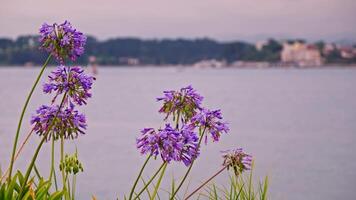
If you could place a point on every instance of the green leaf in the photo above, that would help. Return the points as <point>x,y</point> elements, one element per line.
<point>20,177</point>
<point>2,191</point>
<point>265,188</point>
<point>10,189</point>
<point>57,195</point>
<point>27,196</point>
<point>42,189</point>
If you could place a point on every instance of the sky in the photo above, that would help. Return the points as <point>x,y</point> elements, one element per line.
<point>223,20</point>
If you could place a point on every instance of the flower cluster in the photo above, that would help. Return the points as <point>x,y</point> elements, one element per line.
<point>170,143</point>
<point>52,121</point>
<point>190,150</point>
<point>67,122</point>
<point>71,80</point>
<point>62,40</point>
<point>184,102</point>
<point>183,142</point>
<point>71,164</point>
<point>238,160</point>
<point>211,122</point>
<point>63,120</point>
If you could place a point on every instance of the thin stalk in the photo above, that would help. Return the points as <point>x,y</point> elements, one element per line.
<point>23,144</point>
<point>139,175</point>
<point>17,153</point>
<point>159,182</point>
<point>55,180</point>
<point>53,172</point>
<point>66,186</point>
<point>149,182</point>
<point>22,115</point>
<point>38,176</point>
<point>74,182</point>
<point>177,122</point>
<point>37,172</point>
<point>62,161</point>
<point>68,196</point>
<point>64,176</point>
<point>190,167</point>
<point>148,191</point>
<point>206,182</point>
<point>28,172</point>
<point>29,169</point>
<point>52,160</point>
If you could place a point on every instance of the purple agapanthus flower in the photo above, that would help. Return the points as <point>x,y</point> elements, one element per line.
<point>190,150</point>
<point>170,144</point>
<point>210,121</point>
<point>238,160</point>
<point>49,122</point>
<point>72,80</point>
<point>184,102</point>
<point>62,41</point>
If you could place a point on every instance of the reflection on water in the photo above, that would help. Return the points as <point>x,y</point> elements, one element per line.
<point>299,125</point>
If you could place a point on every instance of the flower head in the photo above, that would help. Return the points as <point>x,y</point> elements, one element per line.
<point>237,160</point>
<point>71,164</point>
<point>72,80</point>
<point>170,143</point>
<point>190,149</point>
<point>62,41</point>
<point>211,121</point>
<point>50,121</point>
<point>184,102</point>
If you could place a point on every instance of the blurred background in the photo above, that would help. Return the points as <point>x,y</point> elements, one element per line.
<point>283,73</point>
<point>208,33</point>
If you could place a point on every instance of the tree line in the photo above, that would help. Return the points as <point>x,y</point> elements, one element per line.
<point>24,50</point>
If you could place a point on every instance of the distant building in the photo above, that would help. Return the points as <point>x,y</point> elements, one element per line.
<point>250,64</point>
<point>301,54</point>
<point>260,44</point>
<point>129,61</point>
<point>347,52</point>
<point>210,63</point>
<point>92,60</point>
<point>328,49</point>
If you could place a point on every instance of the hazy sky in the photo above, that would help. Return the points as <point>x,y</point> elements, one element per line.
<point>219,19</point>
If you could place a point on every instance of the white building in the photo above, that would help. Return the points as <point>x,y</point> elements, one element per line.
<point>301,54</point>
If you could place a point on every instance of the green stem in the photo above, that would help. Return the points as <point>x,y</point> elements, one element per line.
<point>148,191</point>
<point>206,182</point>
<point>190,168</point>
<point>149,182</point>
<point>177,122</point>
<point>138,177</point>
<point>62,161</point>
<point>74,182</point>
<point>22,115</point>
<point>37,172</point>
<point>55,180</point>
<point>66,186</point>
<point>28,172</point>
<point>52,160</point>
<point>159,182</point>
<point>68,196</point>
<point>29,169</point>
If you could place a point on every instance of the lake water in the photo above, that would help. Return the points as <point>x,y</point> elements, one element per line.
<point>300,126</point>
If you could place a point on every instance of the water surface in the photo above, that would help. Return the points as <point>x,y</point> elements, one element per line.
<point>300,126</point>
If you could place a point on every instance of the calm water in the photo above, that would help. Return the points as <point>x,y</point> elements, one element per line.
<point>300,125</point>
